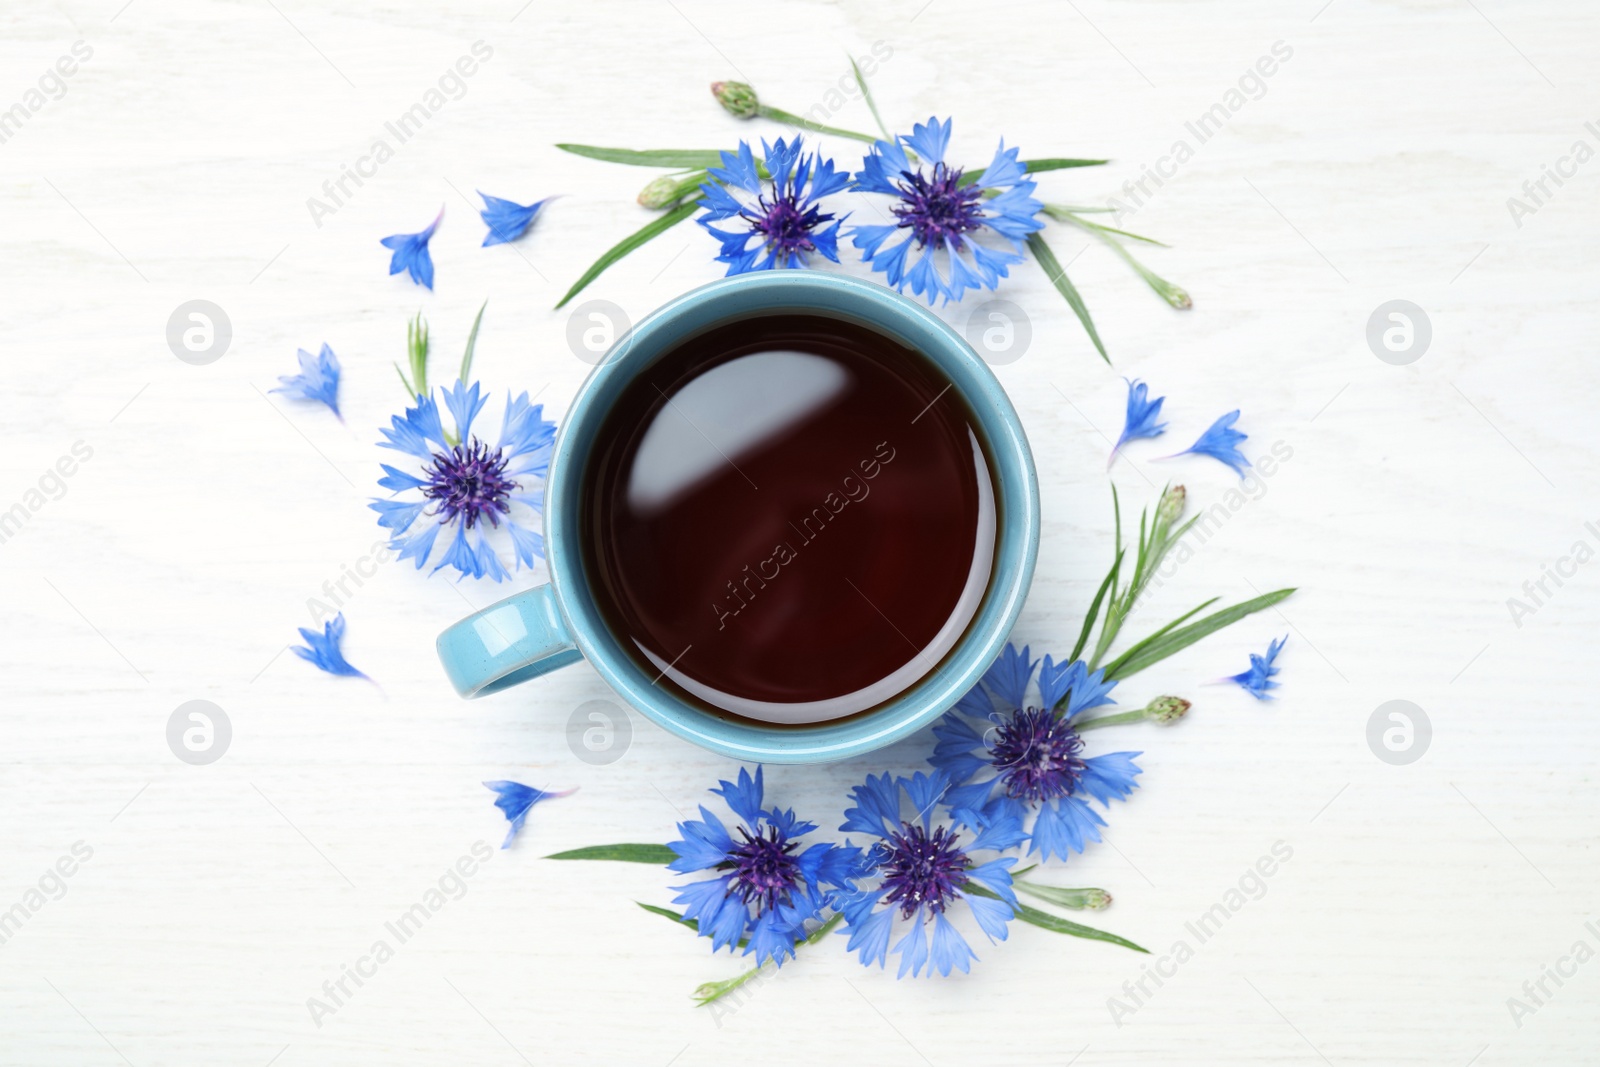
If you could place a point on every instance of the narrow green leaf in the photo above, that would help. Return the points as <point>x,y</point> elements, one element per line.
<point>1033,166</point>
<point>658,854</point>
<point>680,159</point>
<point>417,353</point>
<point>1094,607</point>
<point>411,393</point>
<point>655,228</point>
<point>1058,277</point>
<point>472,343</point>
<point>1045,921</point>
<point>1055,211</point>
<point>668,913</point>
<point>866,94</point>
<point>1140,646</point>
<point>1178,640</point>
<point>1039,166</point>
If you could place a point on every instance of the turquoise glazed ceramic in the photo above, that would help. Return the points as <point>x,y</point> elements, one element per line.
<point>535,632</point>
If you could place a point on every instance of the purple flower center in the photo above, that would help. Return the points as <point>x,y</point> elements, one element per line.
<point>938,209</point>
<point>921,868</point>
<point>785,224</point>
<point>469,483</point>
<point>1036,754</point>
<point>764,872</point>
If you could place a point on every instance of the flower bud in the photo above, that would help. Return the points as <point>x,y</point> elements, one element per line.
<point>1171,505</point>
<point>1096,899</point>
<point>1167,710</point>
<point>662,192</point>
<point>737,98</point>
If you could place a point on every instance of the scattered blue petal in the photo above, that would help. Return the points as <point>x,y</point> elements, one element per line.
<point>1221,442</point>
<point>322,649</point>
<point>1258,679</point>
<point>411,253</point>
<point>515,799</point>
<point>507,220</point>
<point>318,380</point>
<point>1143,417</point>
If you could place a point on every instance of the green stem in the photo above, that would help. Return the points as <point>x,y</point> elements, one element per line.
<point>767,111</point>
<point>711,991</point>
<point>1063,213</point>
<point>1110,720</point>
<point>1085,899</point>
<point>1175,295</point>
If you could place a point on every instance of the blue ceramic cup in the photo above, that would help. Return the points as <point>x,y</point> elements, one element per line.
<point>537,631</point>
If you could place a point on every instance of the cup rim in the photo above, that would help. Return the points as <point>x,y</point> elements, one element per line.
<point>1017,539</point>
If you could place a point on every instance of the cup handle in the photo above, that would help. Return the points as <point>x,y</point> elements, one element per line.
<point>519,638</point>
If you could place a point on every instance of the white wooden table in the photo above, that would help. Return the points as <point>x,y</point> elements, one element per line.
<point>175,163</point>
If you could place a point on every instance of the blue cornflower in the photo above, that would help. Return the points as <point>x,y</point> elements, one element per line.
<point>1221,441</point>
<point>941,211</point>
<point>921,870</point>
<point>322,650</point>
<point>507,220</point>
<point>515,799</point>
<point>466,487</point>
<point>411,253</point>
<point>318,379</point>
<point>1258,679</point>
<point>1031,756</point>
<point>1142,419</point>
<point>763,889</point>
<point>785,221</point>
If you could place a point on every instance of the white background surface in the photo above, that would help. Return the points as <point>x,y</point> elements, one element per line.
<point>176,567</point>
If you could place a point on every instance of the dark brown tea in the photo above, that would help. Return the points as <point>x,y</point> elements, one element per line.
<point>789,518</point>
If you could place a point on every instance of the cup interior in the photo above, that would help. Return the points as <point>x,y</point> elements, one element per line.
<point>880,309</point>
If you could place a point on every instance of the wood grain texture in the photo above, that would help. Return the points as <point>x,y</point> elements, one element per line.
<point>1374,165</point>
